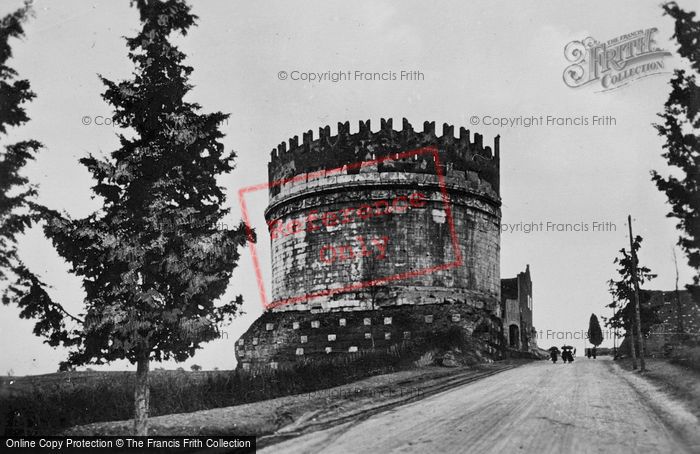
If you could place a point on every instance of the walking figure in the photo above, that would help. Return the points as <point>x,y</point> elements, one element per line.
<point>566,354</point>
<point>554,354</point>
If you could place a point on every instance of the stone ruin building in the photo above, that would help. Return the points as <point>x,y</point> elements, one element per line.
<point>375,241</point>
<point>516,312</point>
<point>678,316</point>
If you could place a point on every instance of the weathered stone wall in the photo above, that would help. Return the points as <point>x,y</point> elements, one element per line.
<point>415,237</point>
<point>335,229</point>
<point>329,152</point>
<point>516,304</point>
<point>278,339</point>
<point>335,226</point>
<point>669,330</point>
<point>511,317</point>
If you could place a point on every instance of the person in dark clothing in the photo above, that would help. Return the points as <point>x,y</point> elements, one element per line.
<point>566,354</point>
<point>554,354</point>
<point>593,352</point>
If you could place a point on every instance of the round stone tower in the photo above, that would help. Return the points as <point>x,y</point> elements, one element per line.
<point>393,228</point>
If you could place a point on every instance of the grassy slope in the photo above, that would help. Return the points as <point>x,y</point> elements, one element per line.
<point>300,412</point>
<point>681,382</point>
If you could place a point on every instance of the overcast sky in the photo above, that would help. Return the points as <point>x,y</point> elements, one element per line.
<point>490,58</point>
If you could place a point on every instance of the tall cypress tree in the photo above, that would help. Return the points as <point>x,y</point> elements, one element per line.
<point>595,334</point>
<point>16,193</point>
<point>152,260</point>
<point>681,129</point>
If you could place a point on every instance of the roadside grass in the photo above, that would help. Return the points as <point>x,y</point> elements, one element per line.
<point>677,378</point>
<point>291,414</point>
<point>45,405</point>
<point>686,356</point>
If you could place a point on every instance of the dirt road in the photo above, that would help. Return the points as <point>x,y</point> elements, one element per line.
<point>590,406</point>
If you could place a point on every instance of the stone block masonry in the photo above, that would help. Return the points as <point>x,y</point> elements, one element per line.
<point>359,207</point>
<point>303,335</point>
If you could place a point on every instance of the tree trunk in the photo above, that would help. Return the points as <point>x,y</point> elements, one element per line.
<point>640,336</point>
<point>632,347</point>
<point>141,398</point>
<point>679,308</point>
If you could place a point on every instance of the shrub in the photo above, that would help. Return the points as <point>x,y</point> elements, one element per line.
<point>686,356</point>
<point>47,407</point>
<point>453,337</point>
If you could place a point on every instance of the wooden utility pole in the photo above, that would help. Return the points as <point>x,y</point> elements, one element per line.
<point>614,328</point>
<point>636,299</point>
<point>679,308</point>
<point>633,354</point>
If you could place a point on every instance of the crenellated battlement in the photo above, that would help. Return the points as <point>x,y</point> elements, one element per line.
<point>373,244</point>
<point>462,153</point>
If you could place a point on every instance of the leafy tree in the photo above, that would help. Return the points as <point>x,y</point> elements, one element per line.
<point>195,367</point>
<point>595,334</point>
<point>16,194</point>
<point>622,292</point>
<point>681,129</point>
<point>150,291</point>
